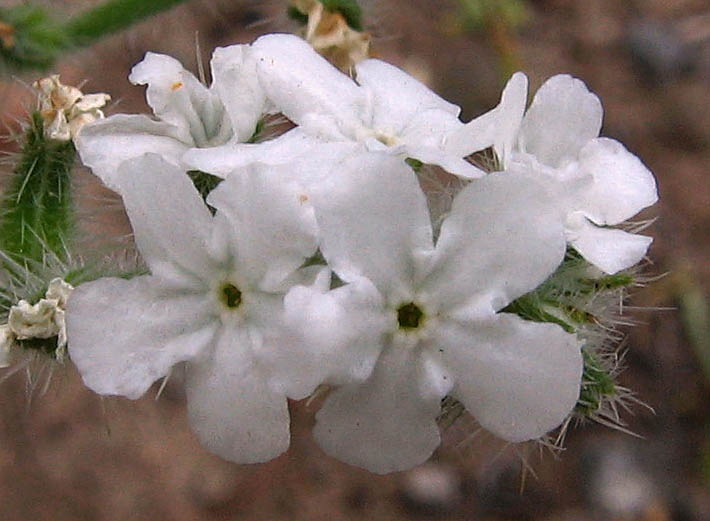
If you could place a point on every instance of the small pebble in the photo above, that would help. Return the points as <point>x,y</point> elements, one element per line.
<point>432,487</point>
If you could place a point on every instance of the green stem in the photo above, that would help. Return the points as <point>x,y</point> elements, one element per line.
<point>111,17</point>
<point>31,38</point>
<point>36,211</point>
<point>597,385</point>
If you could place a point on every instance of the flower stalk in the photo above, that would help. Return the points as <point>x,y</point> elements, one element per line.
<point>36,211</point>
<point>30,38</point>
<point>111,17</point>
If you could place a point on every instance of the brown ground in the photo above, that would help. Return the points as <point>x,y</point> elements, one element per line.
<point>71,456</point>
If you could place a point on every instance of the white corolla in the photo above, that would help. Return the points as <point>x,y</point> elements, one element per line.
<point>598,181</point>
<point>383,108</point>
<point>422,321</point>
<point>213,299</point>
<point>187,113</point>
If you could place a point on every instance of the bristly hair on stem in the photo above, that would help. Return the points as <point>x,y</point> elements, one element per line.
<point>586,302</point>
<point>36,210</point>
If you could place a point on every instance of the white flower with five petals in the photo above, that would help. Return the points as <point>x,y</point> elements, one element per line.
<point>416,322</point>
<point>213,299</point>
<point>187,113</point>
<point>599,182</point>
<point>384,109</point>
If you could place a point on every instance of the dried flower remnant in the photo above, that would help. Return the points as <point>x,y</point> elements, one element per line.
<point>43,320</point>
<point>65,109</point>
<point>330,34</point>
<point>8,347</point>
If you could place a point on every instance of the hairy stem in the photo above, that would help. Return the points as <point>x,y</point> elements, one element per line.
<point>36,212</point>
<point>111,17</point>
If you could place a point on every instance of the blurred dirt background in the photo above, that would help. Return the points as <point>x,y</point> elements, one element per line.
<point>68,455</point>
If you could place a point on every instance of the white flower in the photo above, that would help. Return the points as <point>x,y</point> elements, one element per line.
<point>599,182</point>
<point>426,317</point>
<point>214,299</point>
<point>65,109</point>
<point>385,109</point>
<point>187,114</point>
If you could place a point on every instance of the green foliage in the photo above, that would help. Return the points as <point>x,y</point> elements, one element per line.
<point>597,385</point>
<point>46,346</point>
<point>695,314</point>
<point>258,131</point>
<point>414,164</point>
<point>475,15</point>
<point>36,211</point>
<point>350,10</point>
<point>570,298</point>
<point>564,297</point>
<point>532,307</point>
<point>32,39</point>
<point>294,13</point>
<point>316,259</point>
<point>113,16</point>
<point>204,183</point>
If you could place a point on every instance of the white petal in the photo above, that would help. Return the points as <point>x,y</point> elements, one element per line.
<point>608,249</point>
<point>223,160</point>
<point>396,97</point>
<point>374,220</point>
<point>429,128</point>
<point>510,114</point>
<point>387,423</point>
<point>562,118</point>
<point>622,185</point>
<point>424,138</point>
<point>335,337</point>
<point>519,379</point>
<point>104,144</point>
<point>171,223</point>
<point>272,224</point>
<point>449,162</point>
<point>177,97</point>
<point>230,406</point>
<point>299,81</point>
<point>503,238</point>
<point>234,79</point>
<point>497,127</point>
<point>125,334</point>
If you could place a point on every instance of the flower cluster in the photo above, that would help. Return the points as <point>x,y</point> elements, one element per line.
<point>316,259</point>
